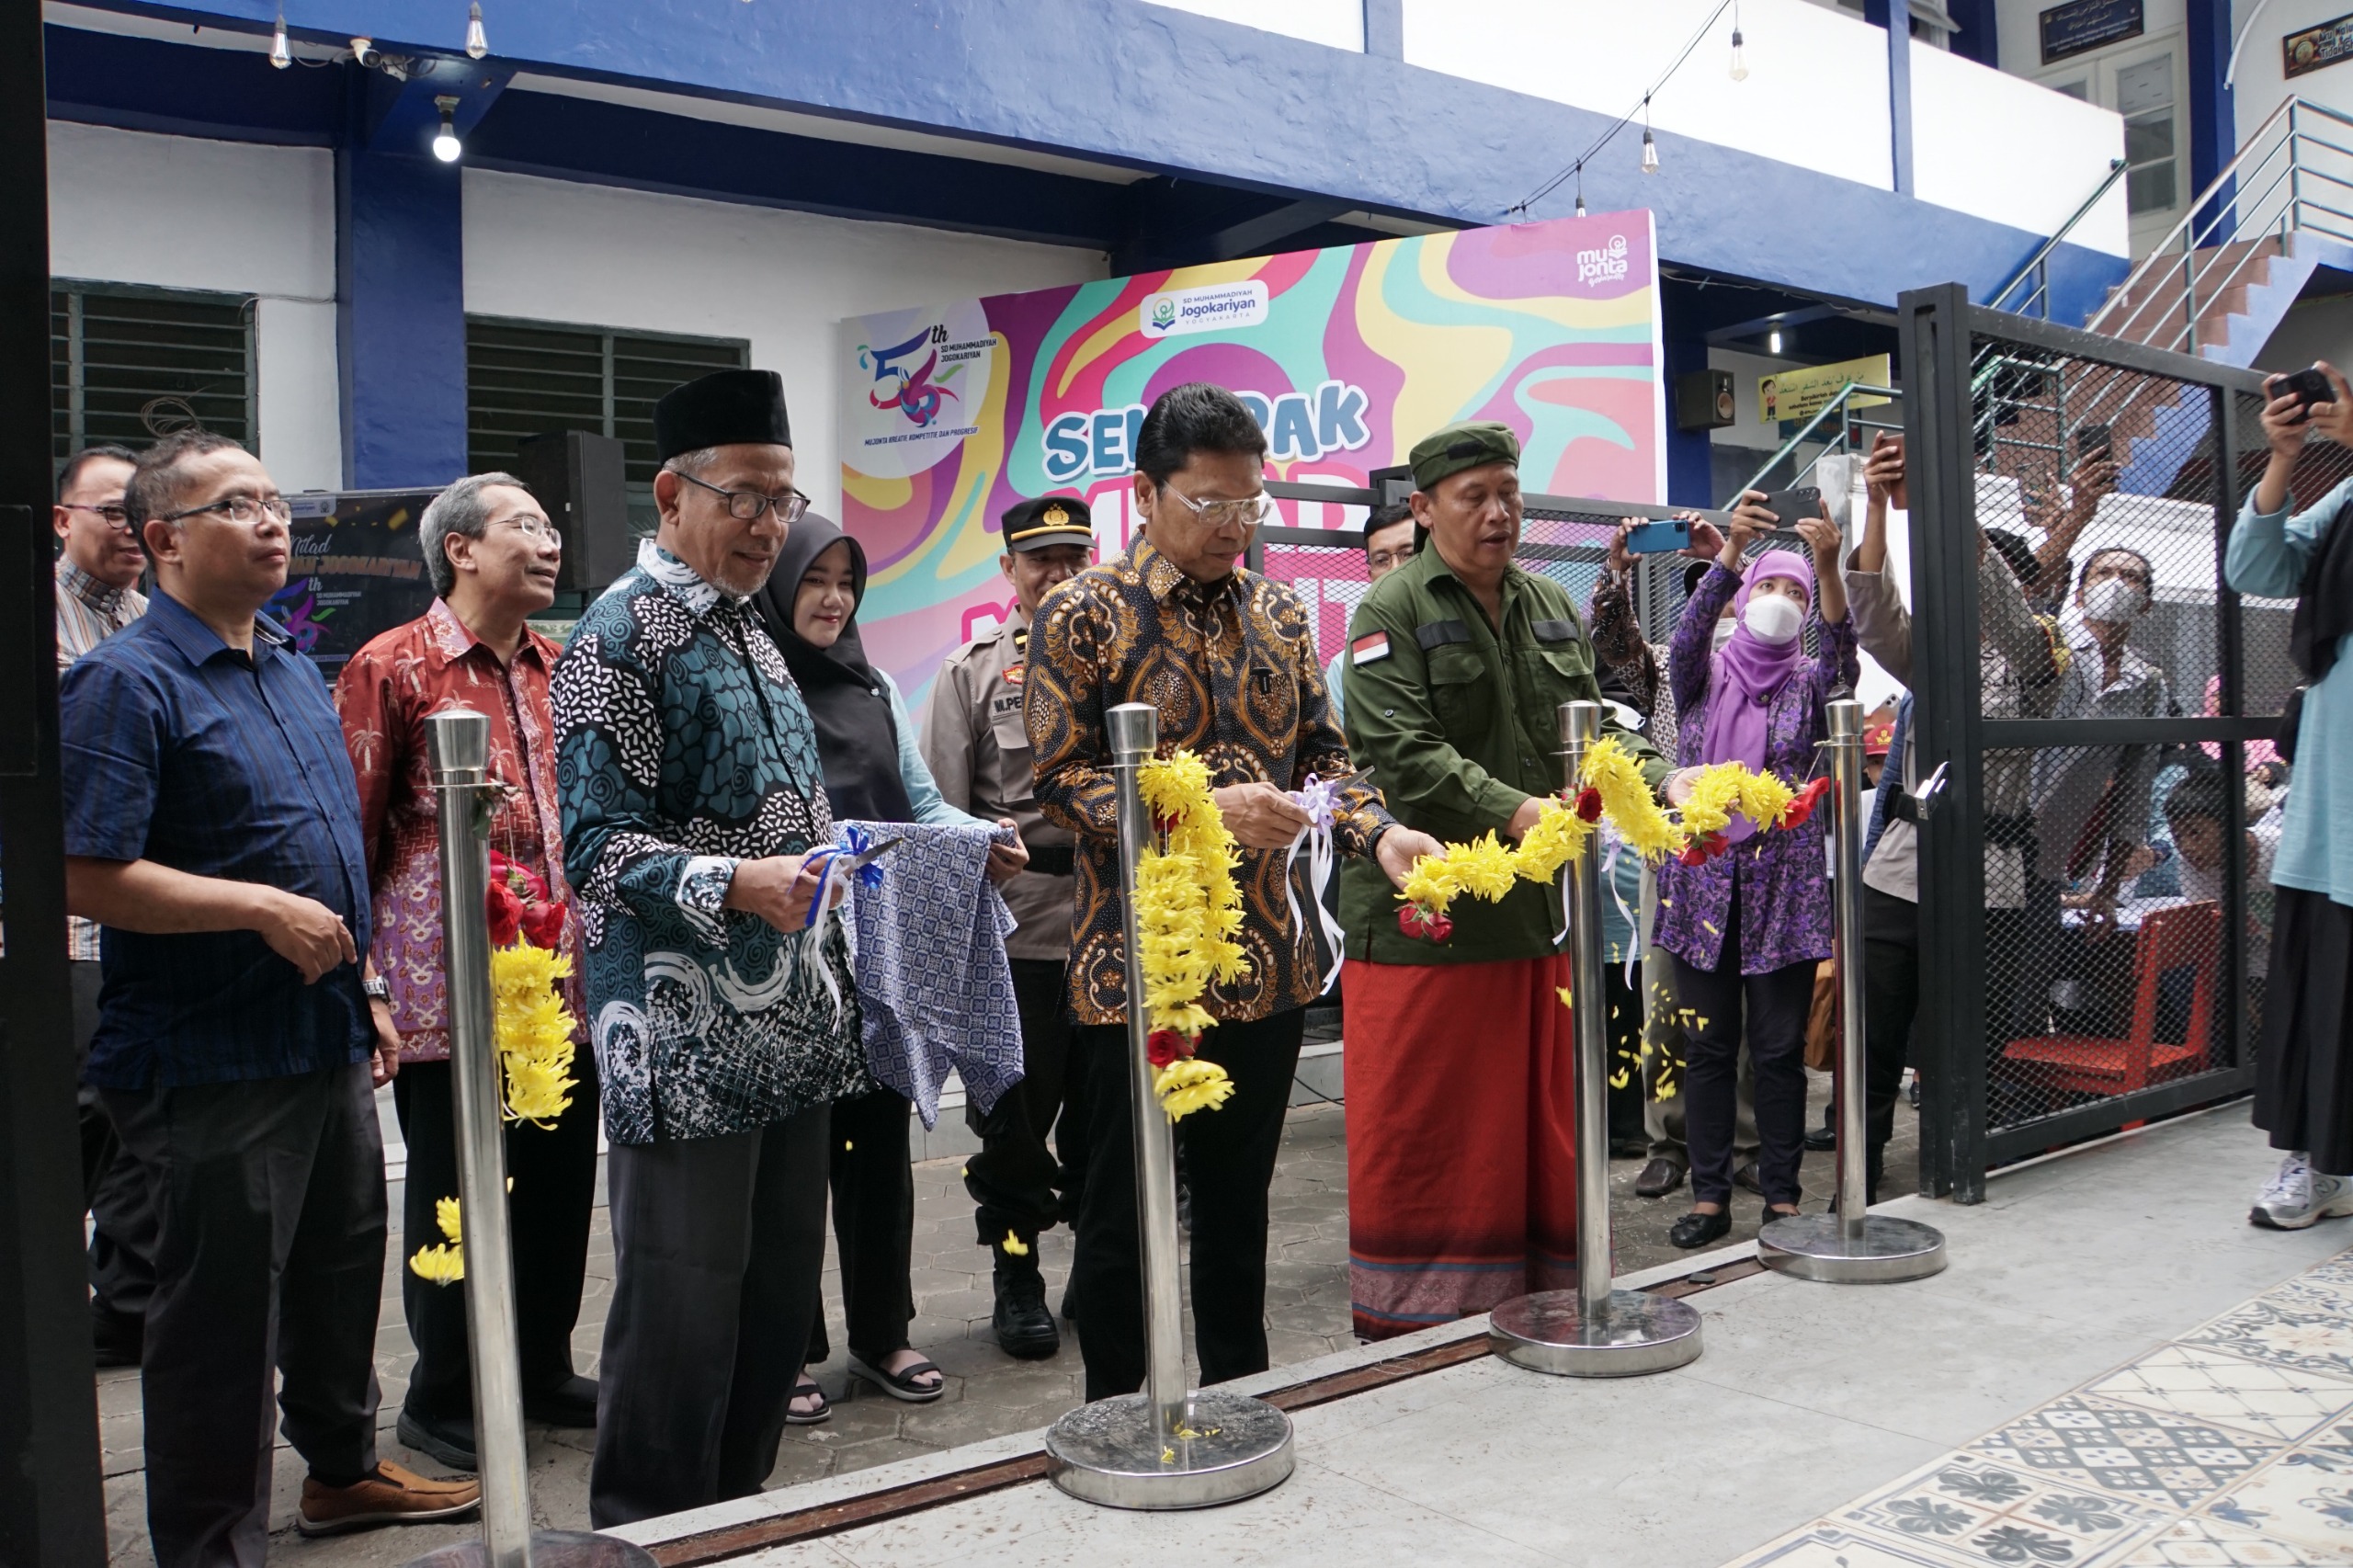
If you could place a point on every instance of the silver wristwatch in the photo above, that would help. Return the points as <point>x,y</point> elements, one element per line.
<point>378,989</point>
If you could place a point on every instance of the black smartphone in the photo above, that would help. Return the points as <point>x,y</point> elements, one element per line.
<point>2306,386</point>
<point>2094,440</point>
<point>1788,506</point>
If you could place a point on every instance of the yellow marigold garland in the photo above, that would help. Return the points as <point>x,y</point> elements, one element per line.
<point>533,1031</point>
<point>1188,912</point>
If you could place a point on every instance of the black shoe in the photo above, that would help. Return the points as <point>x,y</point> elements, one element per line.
<point>1024,1329</point>
<point>1821,1140</point>
<point>1696,1230</point>
<point>1745,1178</point>
<point>1658,1179</point>
<point>449,1438</point>
<point>115,1338</point>
<point>572,1403</point>
<point>1629,1148</point>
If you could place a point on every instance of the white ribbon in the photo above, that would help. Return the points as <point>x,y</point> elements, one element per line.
<point>1321,802</point>
<point>809,946</point>
<point>1613,846</point>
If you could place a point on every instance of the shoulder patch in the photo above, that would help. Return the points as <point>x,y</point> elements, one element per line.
<point>1365,648</point>
<point>1437,633</point>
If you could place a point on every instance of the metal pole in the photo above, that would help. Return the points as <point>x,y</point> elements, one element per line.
<point>1853,1246</point>
<point>457,750</point>
<point>1168,1447</point>
<point>1593,1331</point>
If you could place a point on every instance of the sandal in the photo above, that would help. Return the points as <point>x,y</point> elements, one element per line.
<point>807,1389</point>
<point>901,1384</point>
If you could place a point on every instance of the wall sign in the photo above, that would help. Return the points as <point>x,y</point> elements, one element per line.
<point>1802,393</point>
<point>2315,47</point>
<point>2081,26</point>
<point>354,572</point>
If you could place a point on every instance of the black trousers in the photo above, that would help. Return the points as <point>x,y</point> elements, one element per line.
<point>269,1264</point>
<point>1229,1156</point>
<point>122,1220</point>
<point>1775,1005</point>
<point>717,1246</point>
<point>1891,1002</point>
<point>553,1173</point>
<point>1013,1179</point>
<point>873,1182</point>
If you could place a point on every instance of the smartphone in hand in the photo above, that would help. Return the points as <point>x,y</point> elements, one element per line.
<point>1788,506</point>
<point>1659,538</point>
<point>2306,386</point>
<point>2094,440</point>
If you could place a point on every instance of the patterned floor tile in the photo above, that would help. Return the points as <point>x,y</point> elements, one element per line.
<point>2211,1543</point>
<point>2314,1332</point>
<point>2173,1461</point>
<point>2305,1500</point>
<point>1984,1512</point>
<point>1827,1546</point>
<point>2205,1384</point>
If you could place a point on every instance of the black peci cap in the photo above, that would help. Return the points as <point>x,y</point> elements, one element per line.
<point>725,408</point>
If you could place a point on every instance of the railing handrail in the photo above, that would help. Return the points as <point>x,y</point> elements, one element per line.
<point>2116,169</point>
<point>1838,404</point>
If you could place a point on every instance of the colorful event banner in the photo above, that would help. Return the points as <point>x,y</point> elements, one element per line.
<point>1347,356</point>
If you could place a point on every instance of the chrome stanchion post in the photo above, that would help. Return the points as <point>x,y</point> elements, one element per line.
<point>458,753</point>
<point>1852,1246</point>
<point>1594,1331</point>
<point>1168,1447</point>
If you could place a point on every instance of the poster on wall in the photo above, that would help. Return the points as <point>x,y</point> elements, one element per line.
<point>354,572</point>
<point>1347,357</point>
<point>1803,392</point>
<point>2317,46</point>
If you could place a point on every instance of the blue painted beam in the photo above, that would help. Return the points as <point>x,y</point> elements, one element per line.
<point>1690,479</point>
<point>140,84</point>
<point>1193,102</point>
<point>1979,37</point>
<point>399,316</point>
<point>2214,114</point>
<point>1895,17</point>
<point>1385,29</point>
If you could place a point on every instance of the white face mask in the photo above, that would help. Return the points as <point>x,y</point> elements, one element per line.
<point>2113,600</point>
<point>1773,619</point>
<point>1725,626</point>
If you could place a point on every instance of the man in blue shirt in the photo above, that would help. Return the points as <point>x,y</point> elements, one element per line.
<point>212,828</point>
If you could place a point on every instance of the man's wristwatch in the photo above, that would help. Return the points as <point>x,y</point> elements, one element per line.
<point>378,988</point>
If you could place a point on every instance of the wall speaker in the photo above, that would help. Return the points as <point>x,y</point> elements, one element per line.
<point>1703,401</point>
<point>577,476</point>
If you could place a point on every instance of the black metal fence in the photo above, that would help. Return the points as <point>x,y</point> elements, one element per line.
<point>2095,896</point>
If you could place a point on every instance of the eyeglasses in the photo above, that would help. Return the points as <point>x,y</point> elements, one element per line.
<point>1382,560</point>
<point>244,510</point>
<point>534,529</point>
<point>746,505</point>
<point>114,516</point>
<point>1248,513</point>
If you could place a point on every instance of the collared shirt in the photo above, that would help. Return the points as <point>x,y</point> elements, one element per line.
<point>2085,797</point>
<point>1231,667</point>
<point>978,749</point>
<point>682,749</point>
<point>182,750</point>
<point>385,694</point>
<point>1459,718</point>
<point>88,612</point>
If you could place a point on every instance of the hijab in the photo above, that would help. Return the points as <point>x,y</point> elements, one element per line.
<point>857,740</point>
<point>1750,672</point>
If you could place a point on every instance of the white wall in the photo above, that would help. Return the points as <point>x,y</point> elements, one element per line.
<point>1816,95</point>
<point>178,212</point>
<point>1997,147</point>
<point>1339,23</point>
<point>595,255</point>
<point>2262,83</point>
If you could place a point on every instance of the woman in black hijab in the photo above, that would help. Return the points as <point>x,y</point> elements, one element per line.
<point>873,773</point>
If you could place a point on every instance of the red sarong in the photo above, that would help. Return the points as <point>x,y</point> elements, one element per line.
<point>1461,1139</point>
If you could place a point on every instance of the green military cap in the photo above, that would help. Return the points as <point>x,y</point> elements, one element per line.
<point>1048,521</point>
<point>1472,443</point>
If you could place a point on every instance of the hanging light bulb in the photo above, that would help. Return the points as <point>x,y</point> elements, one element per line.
<point>478,41</point>
<point>1650,148</point>
<point>280,55</point>
<point>1580,189</point>
<point>1739,59</point>
<point>446,145</point>
<point>1773,342</point>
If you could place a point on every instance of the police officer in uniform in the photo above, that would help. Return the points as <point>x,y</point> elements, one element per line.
<point>979,752</point>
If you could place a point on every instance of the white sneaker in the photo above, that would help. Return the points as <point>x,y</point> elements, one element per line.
<point>2297,1195</point>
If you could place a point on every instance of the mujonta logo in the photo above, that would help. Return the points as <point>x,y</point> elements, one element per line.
<point>910,390</point>
<point>1604,264</point>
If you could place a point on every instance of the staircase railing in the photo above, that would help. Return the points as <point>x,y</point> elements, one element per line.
<point>2037,271</point>
<point>2295,172</point>
<point>1843,439</point>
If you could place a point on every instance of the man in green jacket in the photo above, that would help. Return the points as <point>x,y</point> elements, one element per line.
<point>1462,1147</point>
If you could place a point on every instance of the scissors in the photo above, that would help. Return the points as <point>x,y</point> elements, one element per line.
<point>867,855</point>
<point>1348,781</point>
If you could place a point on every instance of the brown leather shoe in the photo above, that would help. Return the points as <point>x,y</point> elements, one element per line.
<point>391,1496</point>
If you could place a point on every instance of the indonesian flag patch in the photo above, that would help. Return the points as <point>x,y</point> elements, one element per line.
<point>1365,648</point>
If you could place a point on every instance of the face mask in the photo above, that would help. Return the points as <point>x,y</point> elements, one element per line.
<point>2113,600</point>
<point>1772,619</point>
<point>1724,628</point>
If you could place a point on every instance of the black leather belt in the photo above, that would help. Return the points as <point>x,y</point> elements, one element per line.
<point>1054,859</point>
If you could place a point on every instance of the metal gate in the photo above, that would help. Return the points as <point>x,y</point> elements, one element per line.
<point>2095,904</point>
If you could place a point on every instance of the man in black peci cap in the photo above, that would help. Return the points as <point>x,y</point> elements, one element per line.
<point>692,797</point>
<point>977,748</point>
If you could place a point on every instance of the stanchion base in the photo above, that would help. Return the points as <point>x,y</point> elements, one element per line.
<point>1105,1452</point>
<point>550,1548</point>
<point>1815,1246</point>
<point>1547,1333</point>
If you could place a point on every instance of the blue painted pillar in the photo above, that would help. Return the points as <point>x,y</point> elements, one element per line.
<point>1899,83</point>
<point>1979,36</point>
<point>1691,476</point>
<point>2213,116</point>
<point>1385,29</point>
<point>400,317</point>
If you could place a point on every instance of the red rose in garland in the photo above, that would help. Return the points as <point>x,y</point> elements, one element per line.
<point>506,910</point>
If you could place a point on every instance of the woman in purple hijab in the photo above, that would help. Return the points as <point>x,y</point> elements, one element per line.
<point>1746,928</point>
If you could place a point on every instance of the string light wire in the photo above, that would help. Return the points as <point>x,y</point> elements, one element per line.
<point>1577,168</point>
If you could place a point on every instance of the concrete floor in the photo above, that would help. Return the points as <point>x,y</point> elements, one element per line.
<point>989,1394</point>
<point>1934,1424</point>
